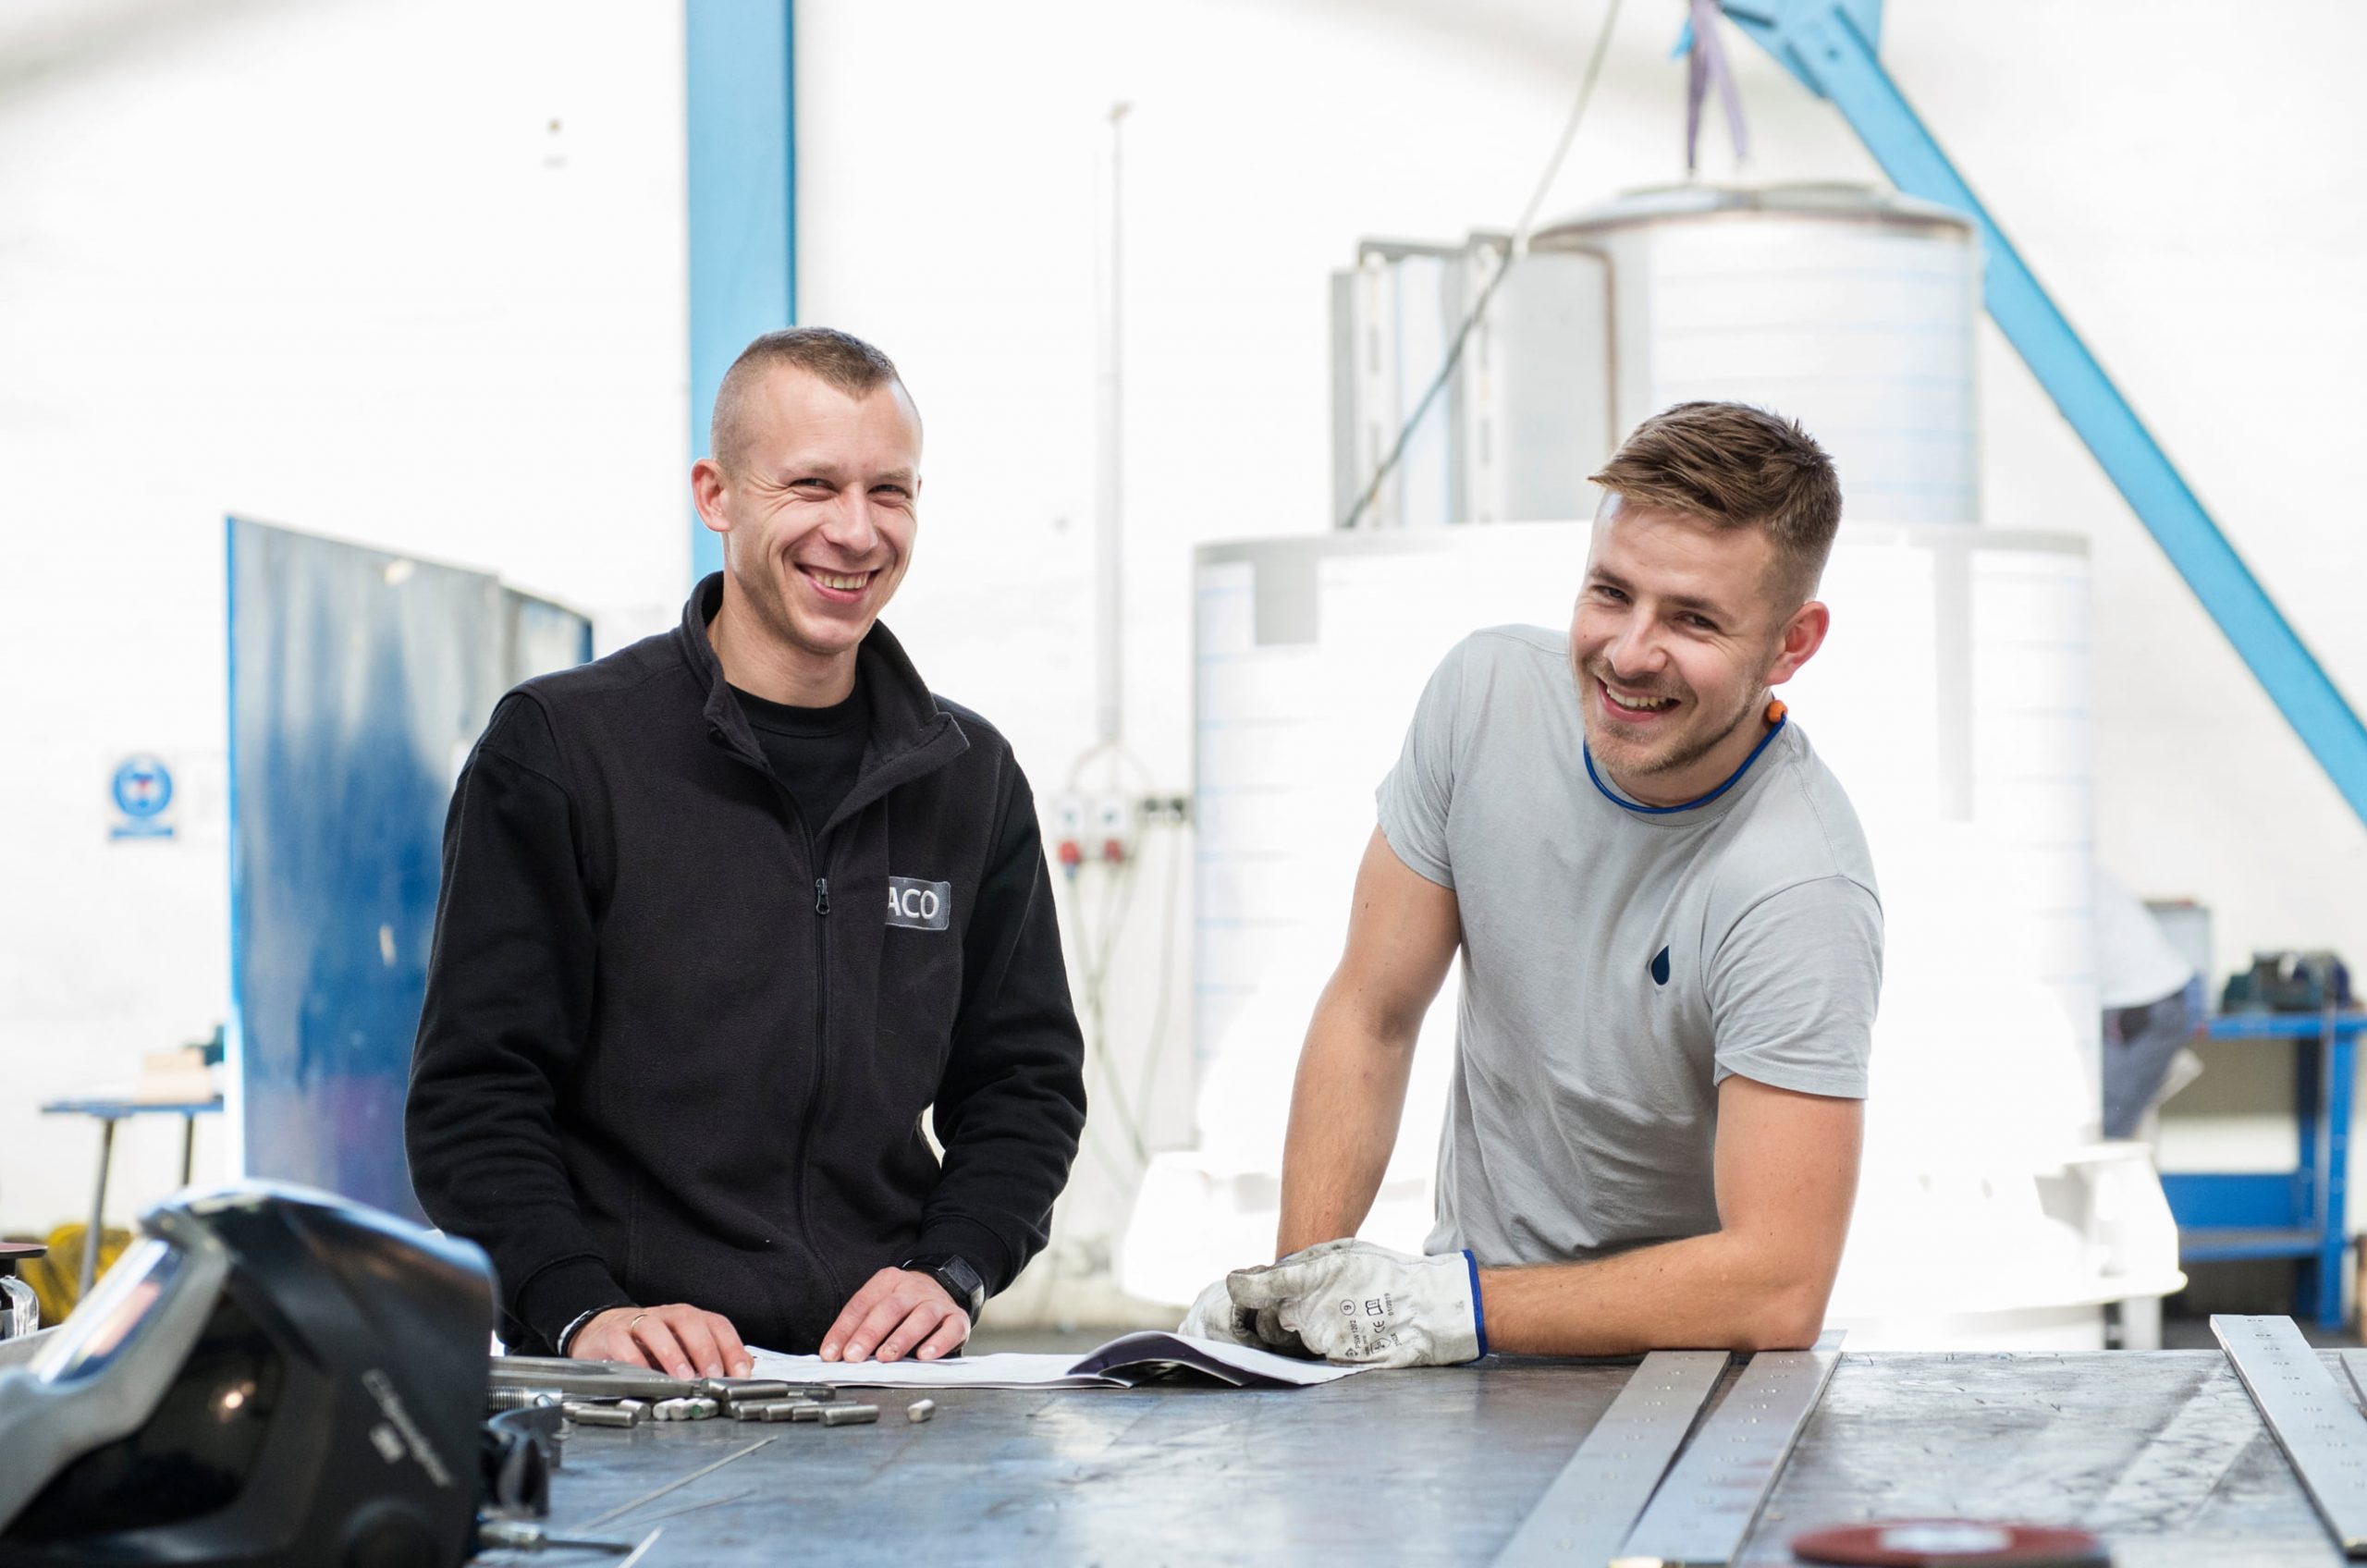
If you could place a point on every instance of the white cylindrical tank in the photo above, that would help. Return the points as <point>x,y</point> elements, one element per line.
<point>1850,309</point>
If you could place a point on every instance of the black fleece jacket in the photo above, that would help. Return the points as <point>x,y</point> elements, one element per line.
<point>677,1048</point>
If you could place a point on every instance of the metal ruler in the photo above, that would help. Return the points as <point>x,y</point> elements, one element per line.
<point>2323,1436</point>
<point>1703,1513</point>
<point>1585,1513</point>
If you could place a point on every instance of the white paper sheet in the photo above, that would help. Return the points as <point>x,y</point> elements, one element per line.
<point>1011,1370</point>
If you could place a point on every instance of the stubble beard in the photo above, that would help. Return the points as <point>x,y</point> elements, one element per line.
<point>1681,751</point>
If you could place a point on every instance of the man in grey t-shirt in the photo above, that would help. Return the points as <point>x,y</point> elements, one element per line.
<point>1672,951</point>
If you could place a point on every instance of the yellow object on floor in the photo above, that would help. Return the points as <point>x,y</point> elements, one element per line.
<point>53,1278</point>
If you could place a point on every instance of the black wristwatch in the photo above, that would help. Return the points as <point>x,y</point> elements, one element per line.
<point>953,1271</point>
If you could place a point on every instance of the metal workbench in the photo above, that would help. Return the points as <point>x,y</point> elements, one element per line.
<point>2161,1453</point>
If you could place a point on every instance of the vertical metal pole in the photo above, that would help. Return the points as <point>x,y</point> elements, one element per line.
<point>98,1213</point>
<point>1108,704</point>
<point>188,1146</point>
<point>2338,1050</point>
<point>741,104</point>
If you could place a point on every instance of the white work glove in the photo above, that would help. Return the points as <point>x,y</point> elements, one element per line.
<point>1213,1317</point>
<point>1352,1302</point>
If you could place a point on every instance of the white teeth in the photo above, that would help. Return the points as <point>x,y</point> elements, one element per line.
<point>832,579</point>
<point>1645,704</point>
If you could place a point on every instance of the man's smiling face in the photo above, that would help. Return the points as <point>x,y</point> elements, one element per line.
<point>819,508</point>
<point>1679,630</point>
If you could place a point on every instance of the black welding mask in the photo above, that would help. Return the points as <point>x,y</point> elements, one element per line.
<point>271,1377</point>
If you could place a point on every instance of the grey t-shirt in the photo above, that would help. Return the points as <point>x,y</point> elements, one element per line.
<point>1618,966</point>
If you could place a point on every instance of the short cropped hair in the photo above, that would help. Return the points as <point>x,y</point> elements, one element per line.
<point>1736,466</point>
<point>834,358</point>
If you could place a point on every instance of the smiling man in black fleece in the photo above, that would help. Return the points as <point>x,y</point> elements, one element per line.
<point>723,915</point>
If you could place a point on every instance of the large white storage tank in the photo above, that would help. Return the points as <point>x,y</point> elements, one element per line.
<point>1952,700</point>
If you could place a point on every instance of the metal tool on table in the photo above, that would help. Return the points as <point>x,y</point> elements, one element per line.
<point>584,1381</point>
<point>2288,982</point>
<point>2323,1436</point>
<point>1587,1511</point>
<point>1950,1543</point>
<point>502,1535</point>
<point>272,1379</point>
<point>1703,1512</point>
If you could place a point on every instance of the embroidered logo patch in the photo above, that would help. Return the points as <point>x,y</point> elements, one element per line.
<point>1660,967</point>
<point>919,906</point>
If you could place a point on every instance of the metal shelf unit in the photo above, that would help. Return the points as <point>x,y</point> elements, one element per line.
<point>2299,1213</point>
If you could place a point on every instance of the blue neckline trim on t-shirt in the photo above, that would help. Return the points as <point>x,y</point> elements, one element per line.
<point>1588,752</point>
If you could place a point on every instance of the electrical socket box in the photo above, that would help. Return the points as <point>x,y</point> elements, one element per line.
<point>1068,818</point>
<point>1114,818</point>
<point>1164,811</point>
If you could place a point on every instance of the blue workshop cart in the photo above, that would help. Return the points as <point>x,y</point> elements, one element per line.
<point>2298,1213</point>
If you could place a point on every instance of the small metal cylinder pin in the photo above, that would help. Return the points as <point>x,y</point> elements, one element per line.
<point>920,1410</point>
<point>849,1414</point>
<point>599,1416</point>
<point>500,1399</point>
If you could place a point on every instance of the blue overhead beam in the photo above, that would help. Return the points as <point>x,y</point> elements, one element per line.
<point>1831,46</point>
<point>742,109</point>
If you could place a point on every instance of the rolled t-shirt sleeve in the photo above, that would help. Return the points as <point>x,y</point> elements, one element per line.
<point>1794,985</point>
<point>1414,796</point>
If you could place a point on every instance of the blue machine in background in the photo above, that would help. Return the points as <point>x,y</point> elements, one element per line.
<point>358,683</point>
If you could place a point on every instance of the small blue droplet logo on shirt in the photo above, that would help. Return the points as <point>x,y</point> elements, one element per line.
<point>1660,967</point>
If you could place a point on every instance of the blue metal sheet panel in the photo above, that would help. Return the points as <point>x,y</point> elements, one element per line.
<point>1823,42</point>
<point>358,681</point>
<point>743,192</point>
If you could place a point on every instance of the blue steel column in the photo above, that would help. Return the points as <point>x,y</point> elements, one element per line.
<point>741,106</point>
<point>1832,52</point>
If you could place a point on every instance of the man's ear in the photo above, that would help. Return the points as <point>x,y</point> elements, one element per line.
<point>1802,636</point>
<point>707,494</point>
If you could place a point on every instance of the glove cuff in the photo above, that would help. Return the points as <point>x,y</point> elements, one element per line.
<point>1478,1312</point>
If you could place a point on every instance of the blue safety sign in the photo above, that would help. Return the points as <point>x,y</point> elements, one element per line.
<point>142,793</point>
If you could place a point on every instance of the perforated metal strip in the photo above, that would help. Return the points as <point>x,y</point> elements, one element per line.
<point>2323,1436</point>
<point>1587,1511</point>
<point>1704,1513</point>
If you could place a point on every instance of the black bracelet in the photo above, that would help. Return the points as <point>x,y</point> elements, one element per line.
<point>575,1326</point>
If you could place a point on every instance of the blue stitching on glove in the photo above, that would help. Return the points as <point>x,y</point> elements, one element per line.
<point>1479,1316</point>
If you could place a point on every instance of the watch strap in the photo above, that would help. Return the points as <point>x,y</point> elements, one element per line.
<point>962,1281</point>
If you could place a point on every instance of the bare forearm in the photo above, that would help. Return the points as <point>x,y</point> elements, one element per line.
<point>1345,1109</point>
<point>1719,1291</point>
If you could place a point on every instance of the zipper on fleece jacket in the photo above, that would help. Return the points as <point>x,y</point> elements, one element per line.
<point>821,1054</point>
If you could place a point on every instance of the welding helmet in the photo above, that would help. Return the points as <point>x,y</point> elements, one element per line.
<point>272,1378</point>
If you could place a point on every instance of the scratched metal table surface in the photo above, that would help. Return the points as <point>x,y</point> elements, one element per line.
<point>2159,1452</point>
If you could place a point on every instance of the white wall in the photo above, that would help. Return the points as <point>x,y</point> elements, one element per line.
<point>330,264</point>
<point>407,274</point>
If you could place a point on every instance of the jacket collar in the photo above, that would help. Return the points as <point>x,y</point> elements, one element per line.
<point>909,736</point>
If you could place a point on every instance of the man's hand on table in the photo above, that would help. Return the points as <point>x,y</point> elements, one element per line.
<point>899,1312</point>
<point>679,1340</point>
<point>1358,1303</point>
